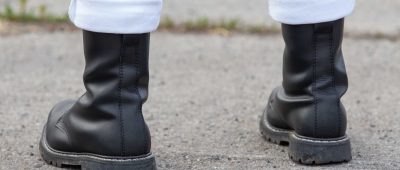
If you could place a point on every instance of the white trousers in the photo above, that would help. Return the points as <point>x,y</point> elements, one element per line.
<point>142,16</point>
<point>309,11</point>
<point>116,16</point>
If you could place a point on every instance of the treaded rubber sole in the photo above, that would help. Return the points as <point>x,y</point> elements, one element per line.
<point>308,151</point>
<point>93,162</point>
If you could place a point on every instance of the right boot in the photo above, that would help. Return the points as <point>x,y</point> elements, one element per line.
<point>104,128</point>
<point>306,111</point>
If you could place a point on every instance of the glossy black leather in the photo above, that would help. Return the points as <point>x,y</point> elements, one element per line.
<point>106,120</point>
<point>314,80</point>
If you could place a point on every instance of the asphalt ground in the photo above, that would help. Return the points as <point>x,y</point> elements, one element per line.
<point>207,93</point>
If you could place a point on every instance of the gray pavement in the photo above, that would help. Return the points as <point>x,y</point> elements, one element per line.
<point>205,99</point>
<point>370,16</point>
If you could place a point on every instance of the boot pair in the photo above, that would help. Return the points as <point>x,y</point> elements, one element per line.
<point>105,129</point>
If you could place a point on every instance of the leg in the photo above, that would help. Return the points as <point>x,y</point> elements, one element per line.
<point>118,16</point>
<point>297,12</point>
<point>306,110</point>
<point>104,128</point>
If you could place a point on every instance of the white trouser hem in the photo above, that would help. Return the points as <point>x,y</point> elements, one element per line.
<point>297,12</point>
<point>116,16</point>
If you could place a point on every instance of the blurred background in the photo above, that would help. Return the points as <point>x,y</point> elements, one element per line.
<point>213,64</point>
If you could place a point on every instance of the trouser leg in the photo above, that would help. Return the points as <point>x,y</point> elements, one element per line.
<point>296,12</point>
<point>116,16</point>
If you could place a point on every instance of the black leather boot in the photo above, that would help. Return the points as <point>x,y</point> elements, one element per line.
<point>104,128</point>
<point>306,111</point>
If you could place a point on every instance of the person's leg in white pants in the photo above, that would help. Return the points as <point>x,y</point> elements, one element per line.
<point>306,111</point>
<point>116,16</point>
<point>297,12</point>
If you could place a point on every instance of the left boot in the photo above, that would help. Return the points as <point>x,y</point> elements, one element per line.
<point>306,111</point>
<point>104,128</point>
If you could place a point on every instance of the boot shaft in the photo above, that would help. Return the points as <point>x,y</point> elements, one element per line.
<point>108,118</point>
<point>119,63</point>
<point>313,59</point>
<point>314,80</point>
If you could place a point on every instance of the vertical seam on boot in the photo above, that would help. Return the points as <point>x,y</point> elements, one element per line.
<point>315,101</point>
<point>138,64</point>
<point>332,56</point>
<point>138,72</point>
<point>120,109</point>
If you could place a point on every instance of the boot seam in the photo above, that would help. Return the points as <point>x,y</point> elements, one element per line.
<point>140,69</point>
<point>120,105</point>
<point>315,101</point>
<point>138,72</point>
<point>333,72</point>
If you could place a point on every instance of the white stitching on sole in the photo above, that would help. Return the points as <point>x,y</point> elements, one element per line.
<point>52,151</point>
<point>319,141</point>
<point>95,157</point>
<point>273,128</point>
<point>295,136</point>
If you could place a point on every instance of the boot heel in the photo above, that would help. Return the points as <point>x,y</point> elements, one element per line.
<point>319,151</point>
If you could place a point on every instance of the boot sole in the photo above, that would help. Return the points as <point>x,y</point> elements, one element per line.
<point>308,151</point>
<point>88,161</point>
